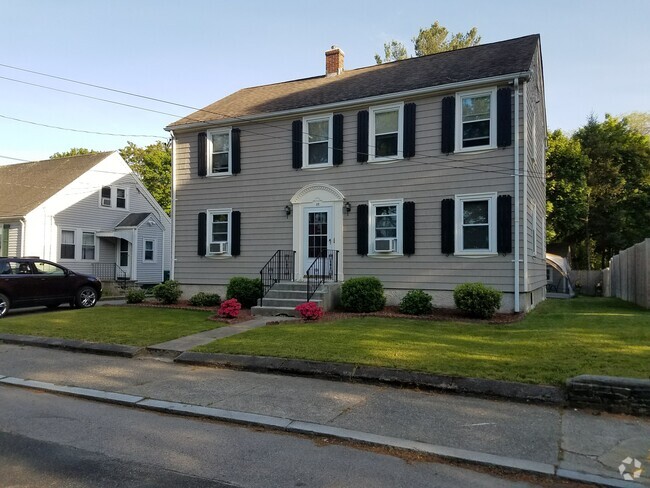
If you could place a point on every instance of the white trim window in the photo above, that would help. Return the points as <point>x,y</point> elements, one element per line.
<point>105,197</point>
<point>476,115</point>
<point>67,249</point>
<point>88,246</point>
<point>385,138</point>
<point>476,224</point>
<point>219,231</point>
<point>149,251</point>
<point>317,141</point>
<point>385,227</point>
<point>116,197</point>
<point>120,198</point>
<point>219,152</point>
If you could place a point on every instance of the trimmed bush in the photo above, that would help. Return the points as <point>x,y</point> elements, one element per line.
<point>477,300</point>
<point>416,302</point>
<point>202,299</point>
<point>245,290</point>
<point>135,295</point>
<point>364,294</point>
<point>168,292</point>
<point>230,308</point>
<point>310,311</point>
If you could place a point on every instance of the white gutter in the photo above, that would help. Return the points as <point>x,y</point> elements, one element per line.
<point>516,175</point>
<point>525,198</point>
<point>350,103</point>
<point>173,227</point>
<point>22,237</point>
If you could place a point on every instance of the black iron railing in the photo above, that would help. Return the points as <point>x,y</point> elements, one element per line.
<point>109,272</point>
<point>325,267</point>
<point>281,267</point>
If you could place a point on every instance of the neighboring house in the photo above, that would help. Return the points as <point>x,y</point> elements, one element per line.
<point>89,213</point>
<point>426,173</point>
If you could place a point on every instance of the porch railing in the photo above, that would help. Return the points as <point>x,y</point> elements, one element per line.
<point>324,267</point>
<point>281,267</point>
<point>109,272</point>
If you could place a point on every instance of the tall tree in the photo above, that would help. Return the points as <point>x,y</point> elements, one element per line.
<point>437,39</point>
<point>639,121</point>
<point>73,151</point>
<point>393,51</point>
<point>153,166</point>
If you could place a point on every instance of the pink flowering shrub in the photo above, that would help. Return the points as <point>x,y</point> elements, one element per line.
<point>310,311</point>
<point>230,308</point>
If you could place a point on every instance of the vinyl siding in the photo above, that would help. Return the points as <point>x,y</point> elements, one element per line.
<point>14,236</point>
<point>150,272</point>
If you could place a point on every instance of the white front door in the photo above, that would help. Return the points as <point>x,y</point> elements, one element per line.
<point>318,226</point>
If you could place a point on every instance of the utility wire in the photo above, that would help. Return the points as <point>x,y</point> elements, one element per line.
<point>15,159</point>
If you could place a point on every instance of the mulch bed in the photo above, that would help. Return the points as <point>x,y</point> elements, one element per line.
<point>443,314</point>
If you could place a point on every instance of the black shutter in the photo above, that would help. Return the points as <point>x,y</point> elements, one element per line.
<point>362,229</point>
<point>337,143</point>
<point>202,234</point>
<point>296,137</point>
<point>504,224</point>
<point>202,152</point>
<point>448,125</point>
<point>504,117</point>
<point>235,230</point>
<point>362,136</point>
<point>408,231</point>
<point>447,226</point>
<point>409,130</point>
<point>236,150</point>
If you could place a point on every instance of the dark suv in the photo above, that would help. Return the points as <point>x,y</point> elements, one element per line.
<point>31,282</point>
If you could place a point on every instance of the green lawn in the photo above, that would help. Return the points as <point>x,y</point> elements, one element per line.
<point>560,339</point>
<point>136,326</point>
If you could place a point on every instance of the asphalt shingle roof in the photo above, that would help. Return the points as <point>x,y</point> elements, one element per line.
<point>133,220</point>
<point>483,61</point>
<point>24,186</point>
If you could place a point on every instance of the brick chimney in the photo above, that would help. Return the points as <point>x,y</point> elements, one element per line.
<point>334,61</point>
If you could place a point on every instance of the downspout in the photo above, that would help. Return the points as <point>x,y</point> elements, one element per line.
<point>517,197</point>
<point>173,229</point>
<point>525,198</point>
<point>22,237</point>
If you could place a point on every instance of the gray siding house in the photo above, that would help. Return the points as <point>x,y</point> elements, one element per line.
<point>89,213</point>
<point>426,173</point>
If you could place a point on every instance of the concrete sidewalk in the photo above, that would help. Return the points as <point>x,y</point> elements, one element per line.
<point>533,437</point>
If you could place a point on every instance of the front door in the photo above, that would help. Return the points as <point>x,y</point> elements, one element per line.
<point>124,258</point>
<point>318,234</point>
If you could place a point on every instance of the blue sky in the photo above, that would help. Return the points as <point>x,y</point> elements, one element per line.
<point>197,51</point>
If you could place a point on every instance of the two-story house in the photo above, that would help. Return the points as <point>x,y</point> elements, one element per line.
<point>426,173</point>
<point>89,213</point>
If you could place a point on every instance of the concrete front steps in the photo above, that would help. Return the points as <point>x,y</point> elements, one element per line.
<point>285,296</point>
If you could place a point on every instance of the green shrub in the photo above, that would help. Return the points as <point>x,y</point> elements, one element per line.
<point>245,290</point>
<point>202,299</point>
<point>416,302</point>
<point>477,300</point>
<point>135,295</point>
<point>168,292</point>
<point>364,294</point>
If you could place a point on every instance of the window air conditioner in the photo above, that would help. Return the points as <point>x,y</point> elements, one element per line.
<point>385,245</point>
<point>218,247</point>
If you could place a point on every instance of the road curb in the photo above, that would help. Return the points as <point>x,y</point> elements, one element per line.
<point>520,392</point>
<point>72,345</point>
<point>314,429</point>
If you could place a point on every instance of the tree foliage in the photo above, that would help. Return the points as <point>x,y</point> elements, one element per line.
<point>435,39</point>
<point>153,165</point>
<point>73,151</point>
<point>639,121</point>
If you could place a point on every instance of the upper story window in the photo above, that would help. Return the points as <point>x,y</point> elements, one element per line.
<point>385,135</point>
<point>120,198</point>
<point>219,154</point>
<point>114,197</point>
<point>219,233</point>
<point>317,141</point>
<point>106,196</point>
<point>385,227</point>
<point>476,120</point>
<point>476,224</point>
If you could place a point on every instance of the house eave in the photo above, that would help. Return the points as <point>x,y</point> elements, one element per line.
<point>524,75</point>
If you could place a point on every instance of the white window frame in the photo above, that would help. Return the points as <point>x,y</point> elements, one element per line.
<point>101,197</point>
<point>210,213</point>
<point>305,141</point>
<point>126,197</point>
<point>74,243</point>
<point>400,132</point>
<point>372,205</point>
<point>154,249</point>
<point>95,246</point>
<point>493,119</point>
<point>113,204</point>
<point>211,133</point>
<point>492,223</point>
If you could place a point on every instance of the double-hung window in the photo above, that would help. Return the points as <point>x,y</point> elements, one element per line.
<point>476,217</point>
<point>120,198</point>
<point>67,244</point>
<point>385,135</point>
<point>149,251</point>
<point>476,120</point>
<point>219,232</point>
<point>88,245</point>
<point>317,141</point>
<point>106,197</point>
<point>385,227</point>
<point>219,154</point>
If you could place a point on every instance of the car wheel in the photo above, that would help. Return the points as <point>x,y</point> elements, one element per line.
<point>86,297</point>
<point>4,305</point>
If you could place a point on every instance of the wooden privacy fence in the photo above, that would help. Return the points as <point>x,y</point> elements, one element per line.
<point>628,275</point>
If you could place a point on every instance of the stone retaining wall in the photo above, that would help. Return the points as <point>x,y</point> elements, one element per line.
<point>609,393</point>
